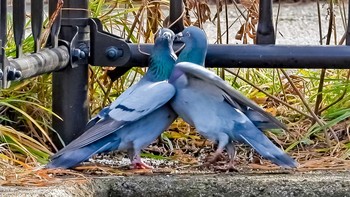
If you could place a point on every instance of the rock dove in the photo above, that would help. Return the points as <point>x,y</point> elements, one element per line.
<point>135,119</point>
<point>219,112</point>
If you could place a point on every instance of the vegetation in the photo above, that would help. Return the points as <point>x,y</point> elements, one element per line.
<point>313,103</point>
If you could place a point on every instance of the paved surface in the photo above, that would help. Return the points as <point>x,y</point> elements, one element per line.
<point>232,184</point>
<point>297,24</point>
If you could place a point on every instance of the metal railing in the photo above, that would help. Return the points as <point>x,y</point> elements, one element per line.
<point>76,40</point>
<point>43,60</point>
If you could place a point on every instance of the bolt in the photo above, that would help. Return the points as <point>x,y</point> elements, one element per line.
<point>13,74</point>
<point>113,53</point>
<point>76,53</point>
<point>82,55</point>
<point>18,74</point>
<point>10,74</point>
<point>85,50</point>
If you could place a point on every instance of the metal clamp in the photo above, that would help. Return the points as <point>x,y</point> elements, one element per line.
<point>107,49</point>
<point>79,50</point>
<point>7,73</point>
<point>78,47</point>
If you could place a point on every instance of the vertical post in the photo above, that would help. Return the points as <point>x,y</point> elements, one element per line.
<point>265,33</point>
<point>348,28</point>
<point>176,9</point>
<point>3,22</point>
<point>3,30</point>
<point>37,21</point>
<point>55,28</point>
<point>1,62</point>
<point>70,85</point>
<point>19,20</point>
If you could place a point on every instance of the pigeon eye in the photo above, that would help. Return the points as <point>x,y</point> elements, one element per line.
<point>188,34</point>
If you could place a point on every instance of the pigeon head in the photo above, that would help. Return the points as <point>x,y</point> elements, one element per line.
<point>196,45</point>
<point>162,59</point>
<point>163,37</point>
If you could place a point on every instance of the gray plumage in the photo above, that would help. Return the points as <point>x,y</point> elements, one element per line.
<point>219,112</point>
<point>135,119</point>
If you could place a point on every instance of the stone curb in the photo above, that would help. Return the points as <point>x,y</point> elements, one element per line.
<point>300,184</point>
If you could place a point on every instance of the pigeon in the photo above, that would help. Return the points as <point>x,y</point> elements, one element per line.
<point>219,112</point>
<point>135,119</point>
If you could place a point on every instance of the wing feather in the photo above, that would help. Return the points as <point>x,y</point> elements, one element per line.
<point>140,102</point>
<point>200,72</point>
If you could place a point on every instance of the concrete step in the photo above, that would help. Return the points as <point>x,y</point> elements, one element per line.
<point>228,184</point>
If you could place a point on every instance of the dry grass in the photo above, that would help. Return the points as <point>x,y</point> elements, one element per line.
<point>25,115</point>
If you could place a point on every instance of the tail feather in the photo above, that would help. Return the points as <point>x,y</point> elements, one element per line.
<point>269,151</point>
<point>260,121</point>
<point>101,115</point>
<point>265,125</point>
<point>71,159</point>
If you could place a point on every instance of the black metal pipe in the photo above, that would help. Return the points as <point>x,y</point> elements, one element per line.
<point>348,28</point>
<point>3,22</point>
<point>262,56</point>
<point>3,34</point>
<point>176,9</point>
<point>19,19</point>
<point>37,12</point>
<point>271,56</point>
<point>265,33</point>
<point>45,61</point>
<point>1,62</point>
<point>70,84</point>
<point>55,14</point>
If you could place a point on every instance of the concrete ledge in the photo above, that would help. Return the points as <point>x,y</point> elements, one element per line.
<point>299,184</point>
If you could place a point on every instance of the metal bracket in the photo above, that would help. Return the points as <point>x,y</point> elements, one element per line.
<point>79,50</point>
<point>1,63</point>
<point>107,49</point>
<point>7,72</point>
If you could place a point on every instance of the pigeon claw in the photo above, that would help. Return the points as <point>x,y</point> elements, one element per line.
<point>141,165</point>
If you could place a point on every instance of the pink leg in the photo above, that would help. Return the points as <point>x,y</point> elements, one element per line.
<point>230,147</point>
<point>213,159</point>
<point>223,140</point>
<point>138,164</point>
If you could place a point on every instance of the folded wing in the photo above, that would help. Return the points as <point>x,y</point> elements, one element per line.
<point>261,118</point>
<point>145,99</point>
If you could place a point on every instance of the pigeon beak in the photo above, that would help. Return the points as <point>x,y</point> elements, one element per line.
<point>178,37</point>
<point>167,35</point>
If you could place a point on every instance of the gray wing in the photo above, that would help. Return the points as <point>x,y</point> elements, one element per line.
<point>236,96</point>
<point>104,112</point>
<point>142,101</point>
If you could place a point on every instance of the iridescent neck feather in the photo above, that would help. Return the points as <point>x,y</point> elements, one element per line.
<point>195,51</point>
<point>162,63</point>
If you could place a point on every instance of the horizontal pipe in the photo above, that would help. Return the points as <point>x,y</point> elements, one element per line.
<point>261,56</point>
<point>45,61</point>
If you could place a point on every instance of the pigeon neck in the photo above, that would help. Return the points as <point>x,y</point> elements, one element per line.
<point>161,64</point>
<point>194,55</point>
